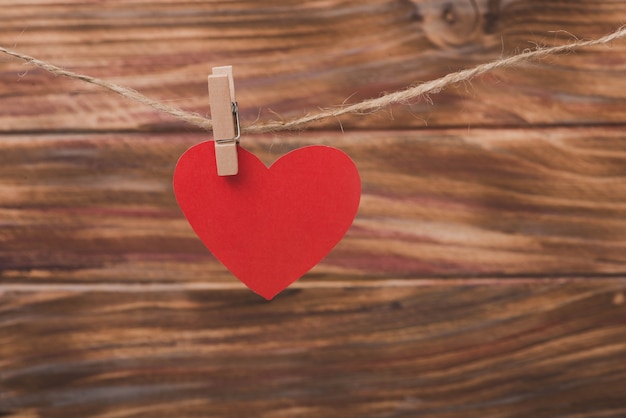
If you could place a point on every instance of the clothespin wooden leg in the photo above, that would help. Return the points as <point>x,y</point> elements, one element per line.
<point>224,114</point>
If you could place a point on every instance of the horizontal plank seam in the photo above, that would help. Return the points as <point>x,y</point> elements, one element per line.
<point>181,131</point>
<point>392,283</point>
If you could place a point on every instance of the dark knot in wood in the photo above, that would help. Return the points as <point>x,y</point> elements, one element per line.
<point>451,23</point>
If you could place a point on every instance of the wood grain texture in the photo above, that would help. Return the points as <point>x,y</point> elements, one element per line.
<point>504,350</point>
<point>435,203</point>
<point>485,273</point>
<point>292,57</point>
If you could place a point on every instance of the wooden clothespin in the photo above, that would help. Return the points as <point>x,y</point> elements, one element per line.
<point>225,116</point>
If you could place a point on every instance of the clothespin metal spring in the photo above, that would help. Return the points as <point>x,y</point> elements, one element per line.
<point>237,125</point>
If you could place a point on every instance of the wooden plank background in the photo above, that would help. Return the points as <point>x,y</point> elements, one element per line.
<point>484,275</point>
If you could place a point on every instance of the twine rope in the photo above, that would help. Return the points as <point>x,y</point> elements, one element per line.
<point>370,105</point>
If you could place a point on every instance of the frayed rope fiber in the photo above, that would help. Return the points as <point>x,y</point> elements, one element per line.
<point>370,105</point>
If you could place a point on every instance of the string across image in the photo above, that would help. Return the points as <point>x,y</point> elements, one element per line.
<point>369,105</point>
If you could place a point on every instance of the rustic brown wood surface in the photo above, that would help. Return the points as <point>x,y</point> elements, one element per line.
<point>435,203</point>
<point>494,350</point>
<point>485,273</point>
<point>291,57</point>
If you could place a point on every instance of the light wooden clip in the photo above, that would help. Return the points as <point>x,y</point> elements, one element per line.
<point>225,116</point>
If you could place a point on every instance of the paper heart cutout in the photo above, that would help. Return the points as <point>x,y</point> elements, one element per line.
<point>269,226</point>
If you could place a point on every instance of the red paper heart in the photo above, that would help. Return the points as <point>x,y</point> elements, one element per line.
<point>269,226</point>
